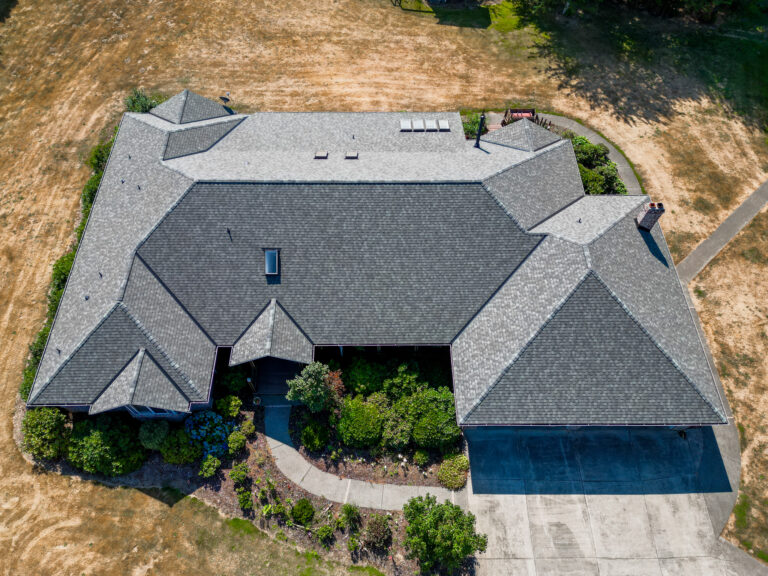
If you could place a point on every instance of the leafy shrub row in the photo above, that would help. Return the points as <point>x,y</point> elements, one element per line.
<point>598,174</point>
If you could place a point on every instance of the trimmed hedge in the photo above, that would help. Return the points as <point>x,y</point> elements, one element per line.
<point>178,448</point>
<point>106,445</point>
<point>45,433</point>
<point>360,423</point>
<point>453,472</point>
<point>152,433</point>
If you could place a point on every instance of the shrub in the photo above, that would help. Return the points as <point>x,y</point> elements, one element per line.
<point>310,387</point>
<point>303,512</point>
<point>210,431</point>
<point>325,535</point>
<point>315,436</point>
<point>434,419</point>
<point>229,406</point>
<point>99,154</point>
<point>472,124</point>
<point>248,428</point>
<point>365,377</point>
<point>239,473</point>
<point>140,101</point>
<point>152,433</point>
<point>421,457</point>
<point>236,442</point>
<point>336,386</point>
<point>234,380</point>
<point>589,155</point>
<point>106,445</point>
<point>440,536</point>
<point>404,382</point>
<point>453,472</point>
<point>593,182</point>
<point>90,189</point>
<point>244,498</point>
<point>351,517</point>
<point>360,423</point>
<point>277,510</point>
<point>611,179</point>
<point>210,466</point>
<point>377,534</point>
<point>178,448</point>
<point>45,432</point>
<point>398,428</point>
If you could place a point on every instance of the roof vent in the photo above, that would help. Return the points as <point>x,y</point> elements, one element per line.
<point>418,125</point>
<point>321,155</point>
<point>444,126</point>
<point>351,155</point>
<point>431,125</point>
<point>405,125</point>
<point>649,215</point>
<point>271,262</point>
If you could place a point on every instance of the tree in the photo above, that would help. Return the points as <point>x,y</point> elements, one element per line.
<point>440,536</point>
<point>311,388</point>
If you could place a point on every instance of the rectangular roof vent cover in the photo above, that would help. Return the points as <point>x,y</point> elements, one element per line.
<point>418,125</point>
<point>271,262</point>
<point>405,125</point>
<point>431,125</point>
<point>321,155</point>
<point>444,126</point>
<point>351,155</point>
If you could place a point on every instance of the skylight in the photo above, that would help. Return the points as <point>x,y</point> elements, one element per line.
<point>271,262</point>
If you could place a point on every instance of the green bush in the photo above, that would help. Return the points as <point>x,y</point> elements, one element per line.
<point>404,382</point>
<point>472,124</point>
<point>363,377</point>
<point>325,535</point>
<point>303,512</point>
<point>141,102</point>
<point>351,517</point>
<point>589,155</point>
<point>311,388</point>
<point>152,433</point>
<point>248,428</point>
<point>239,473</point>
<point>229,406</point>
<point>178,448</point>
<point>440,536</point>
<point>398,428</point>
<point>360,423</point>
<point>236,442</point>
<point>453,472</point>
<point>611,179</point>
<point>434,419</point>
<point>45,433</point>
<point>593,182</point>
<point>90,189</point>
<point>99,154</point>
<point>244,498</point>
<point>377,535</point>
<point>210,466</point>
<point>234,379</point>
<point>106,445</point>
<point>421,457</point>
<point>315,436</point>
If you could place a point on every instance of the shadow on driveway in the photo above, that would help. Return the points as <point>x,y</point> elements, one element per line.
<point>605,461</point>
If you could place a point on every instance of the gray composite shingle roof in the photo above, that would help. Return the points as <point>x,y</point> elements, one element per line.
<point>558,309</point>
<point>186,107</point>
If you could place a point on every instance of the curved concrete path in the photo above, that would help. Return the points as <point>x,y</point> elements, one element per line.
<point>332,487</point>
<point>715,242</point>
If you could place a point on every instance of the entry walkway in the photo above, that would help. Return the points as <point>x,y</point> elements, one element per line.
<point>332,487</point>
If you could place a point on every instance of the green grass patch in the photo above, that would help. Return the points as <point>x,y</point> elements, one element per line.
<point>365,571</point>
<point>741,512</point>
<point>743,440</point>
<point>501,17</point>
<point>242,526</point>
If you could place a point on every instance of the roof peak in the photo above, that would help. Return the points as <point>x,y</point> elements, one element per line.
<point>187,106</point>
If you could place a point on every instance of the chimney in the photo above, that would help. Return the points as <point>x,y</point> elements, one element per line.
<point>649,215</point>
<point>480,130</point>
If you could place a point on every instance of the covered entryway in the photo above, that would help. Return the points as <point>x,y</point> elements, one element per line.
<point>271,374</point>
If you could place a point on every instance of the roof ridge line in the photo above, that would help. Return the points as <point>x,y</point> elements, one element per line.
<point>271,330</point>
<point>168,376</point>
<point>100,394</point>
<point>251,323</point>
<point>144,330</point>
<point>507,212</point>
<point>142,354</point>
<point>74,351</point>
<point>235,123</point>
<point>555,213</point>
<point>657,344</point>
<point>292,319</point>
<point>527,344</point>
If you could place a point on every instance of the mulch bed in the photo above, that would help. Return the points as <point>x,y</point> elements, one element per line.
<point>363,464</point>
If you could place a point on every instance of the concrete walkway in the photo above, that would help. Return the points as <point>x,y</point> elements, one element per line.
<point>711,247</point>
<point>332,487</point>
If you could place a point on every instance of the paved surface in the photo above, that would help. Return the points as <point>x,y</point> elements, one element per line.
<point>711,247</point>
<point>330,486</point>
<point>610,502</point>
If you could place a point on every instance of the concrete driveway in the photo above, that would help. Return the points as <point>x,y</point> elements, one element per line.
<point>615,502</point>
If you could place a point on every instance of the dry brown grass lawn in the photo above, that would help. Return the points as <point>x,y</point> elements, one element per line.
<point>731,295</point>
<point>64,69</point>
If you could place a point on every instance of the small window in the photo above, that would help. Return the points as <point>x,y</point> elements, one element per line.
<point>431,125</point>
<point>444,127</point>
<point>271,262</point>
<point>405,125</point>
<point>418,125</point>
